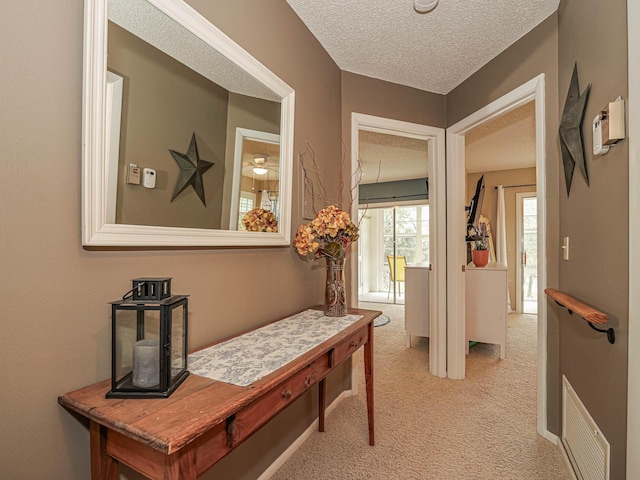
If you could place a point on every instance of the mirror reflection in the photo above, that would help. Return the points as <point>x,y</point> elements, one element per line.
<point>258,164</point>
<point>193,140</point>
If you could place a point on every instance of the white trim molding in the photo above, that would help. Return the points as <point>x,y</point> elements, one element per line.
<point>456,253</point>
<point>435,138</point>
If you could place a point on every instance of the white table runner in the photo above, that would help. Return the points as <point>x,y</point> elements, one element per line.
<point>249,357</point>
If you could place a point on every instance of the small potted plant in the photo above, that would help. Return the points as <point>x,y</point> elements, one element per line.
<point>479,245</point>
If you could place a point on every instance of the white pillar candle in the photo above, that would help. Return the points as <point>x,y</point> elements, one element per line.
<point>146,364</point>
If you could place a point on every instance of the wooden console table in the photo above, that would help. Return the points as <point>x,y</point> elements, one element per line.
<point>182,436</point>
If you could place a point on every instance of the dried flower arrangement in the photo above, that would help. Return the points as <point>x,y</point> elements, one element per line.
<point>328,235</point>
<point>260,220</point>
<point>479,236</point>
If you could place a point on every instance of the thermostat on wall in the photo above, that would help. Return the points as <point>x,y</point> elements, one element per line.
<point>608,127</point>
<point>133,174</point>
<point>148,178</point>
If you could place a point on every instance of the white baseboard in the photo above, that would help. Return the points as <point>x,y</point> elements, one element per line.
<point>551,437</point>
<point>273,468</point>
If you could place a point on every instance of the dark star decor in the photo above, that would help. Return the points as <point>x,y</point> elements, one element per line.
<point>191,170</point>
<point>571,142</point>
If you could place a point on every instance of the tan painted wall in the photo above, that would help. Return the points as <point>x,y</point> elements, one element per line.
<point>154,123</point>
<point>56,318</point>
<point>389,100</point>
<point>533,54</point>
<point>595,218</point>
<point>521,176</point>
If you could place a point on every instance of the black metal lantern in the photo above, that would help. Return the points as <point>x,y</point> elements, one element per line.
<point>148,341</point>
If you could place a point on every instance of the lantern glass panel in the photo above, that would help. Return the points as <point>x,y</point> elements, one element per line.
<point>134,358</point>
<point>178,340</point>
<point>125,332</point>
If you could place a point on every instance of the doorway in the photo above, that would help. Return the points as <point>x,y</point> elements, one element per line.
<point>456,254</point>
<point>435,142</point>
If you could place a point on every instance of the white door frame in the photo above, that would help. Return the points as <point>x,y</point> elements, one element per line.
<point>519,237</point>
<point>456,226</point>
<point>435,138</point>
<point>633,392</point>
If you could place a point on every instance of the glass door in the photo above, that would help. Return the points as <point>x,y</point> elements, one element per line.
<point>390,239</point>
<point>527,275</point>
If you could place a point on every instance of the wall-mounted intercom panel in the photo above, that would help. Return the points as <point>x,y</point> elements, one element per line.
<point>608,127</point>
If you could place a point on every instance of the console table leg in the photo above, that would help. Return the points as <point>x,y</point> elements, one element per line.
<point>180,466</point>
<point>103,467</point>
<point>368,375</point>
<point>322,403</point>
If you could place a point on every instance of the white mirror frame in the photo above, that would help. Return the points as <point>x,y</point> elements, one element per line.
<point>96,231</point>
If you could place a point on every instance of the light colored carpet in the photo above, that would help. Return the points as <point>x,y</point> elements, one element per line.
<point>430,428</point>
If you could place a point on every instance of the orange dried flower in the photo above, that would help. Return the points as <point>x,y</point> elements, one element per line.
<point>328,235</point>
<point>260,220</point>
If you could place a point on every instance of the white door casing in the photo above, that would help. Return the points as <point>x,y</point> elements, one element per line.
<point>456,226</point>
<point>435,138</point>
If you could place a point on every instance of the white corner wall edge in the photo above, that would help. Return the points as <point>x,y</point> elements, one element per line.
<point>633,390</point>
<point>286,455</point>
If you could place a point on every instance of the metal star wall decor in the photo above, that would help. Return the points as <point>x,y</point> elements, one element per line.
<point>191,170</point>
<point>571,142</point>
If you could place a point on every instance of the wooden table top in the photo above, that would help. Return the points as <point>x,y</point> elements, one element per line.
<point>199,404</point>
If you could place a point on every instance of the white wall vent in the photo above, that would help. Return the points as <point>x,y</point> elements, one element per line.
<point>586,447</point>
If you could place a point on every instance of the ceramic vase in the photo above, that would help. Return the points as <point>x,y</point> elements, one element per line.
<point>480,258</point>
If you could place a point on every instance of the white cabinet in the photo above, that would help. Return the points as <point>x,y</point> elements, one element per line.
<point>486,304</point>
<point>416,303</point>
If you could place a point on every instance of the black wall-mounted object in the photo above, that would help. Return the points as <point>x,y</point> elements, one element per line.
<point>192,167</point>
<point>475,207</point>
<point>571,141</point>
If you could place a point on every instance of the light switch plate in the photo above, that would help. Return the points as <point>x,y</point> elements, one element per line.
<point>565,248</point>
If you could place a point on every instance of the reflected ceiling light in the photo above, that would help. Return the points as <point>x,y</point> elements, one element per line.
<point>424,6</point>
<point>259,167</point>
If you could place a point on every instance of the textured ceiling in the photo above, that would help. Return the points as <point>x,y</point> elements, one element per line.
<point>504,143</point>
<point>435,51</point>
<point>386,158</point>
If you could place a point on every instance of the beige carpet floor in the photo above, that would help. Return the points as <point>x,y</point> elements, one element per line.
<point>430,428</point>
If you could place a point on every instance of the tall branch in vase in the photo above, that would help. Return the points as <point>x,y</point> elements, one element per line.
<point>314,188</point>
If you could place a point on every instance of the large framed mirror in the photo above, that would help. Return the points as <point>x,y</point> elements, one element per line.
<point>187,139</point>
